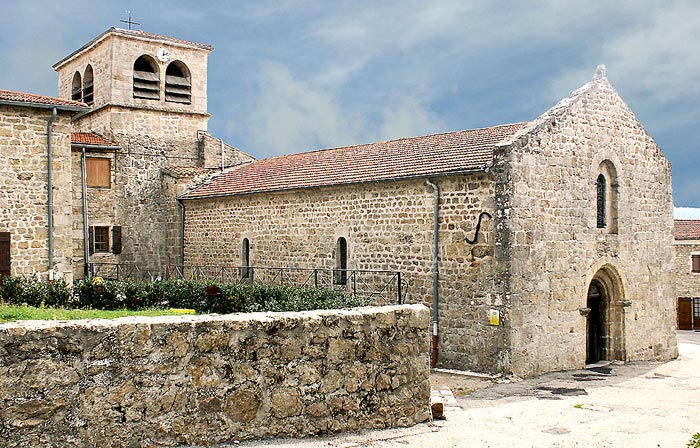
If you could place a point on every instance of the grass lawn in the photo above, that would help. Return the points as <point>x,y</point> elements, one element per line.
<point>10,313</point>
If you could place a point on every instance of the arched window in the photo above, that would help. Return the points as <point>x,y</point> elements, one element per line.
<point>88,89</point>
<point>340,275</point>
<point>178,88</point>
<point>77,87</point>
<point>607,191</point>
<point>601,187</point>
<point>245,258</point>
<point>146,78</point>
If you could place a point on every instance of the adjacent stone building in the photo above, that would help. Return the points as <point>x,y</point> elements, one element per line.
<point>553,237</point>
<point>687,250</point>
<point>35,185</point>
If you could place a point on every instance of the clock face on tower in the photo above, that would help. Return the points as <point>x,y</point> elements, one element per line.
<point>163,55</point>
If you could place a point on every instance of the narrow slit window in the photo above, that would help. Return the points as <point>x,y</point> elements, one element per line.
<point>77,87</point>
<point>340,275</point>
<point>88,86</point>
<point>178,88</point>
<point>146,79</point>
<point>245,258</point>
<point>600,187</point>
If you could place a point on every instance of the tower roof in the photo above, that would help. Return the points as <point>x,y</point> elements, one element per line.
<point>133,34</point>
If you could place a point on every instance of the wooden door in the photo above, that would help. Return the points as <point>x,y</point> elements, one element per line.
<point>4,254</point>
<point>685,313</point>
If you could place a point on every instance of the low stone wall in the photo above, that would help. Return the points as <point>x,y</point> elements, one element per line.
<point>137,382</point>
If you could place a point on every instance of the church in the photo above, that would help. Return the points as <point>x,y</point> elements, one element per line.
<point>540,246</point>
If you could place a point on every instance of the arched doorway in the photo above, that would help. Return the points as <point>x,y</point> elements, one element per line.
<point>605,317</point>
<point>594,323</point>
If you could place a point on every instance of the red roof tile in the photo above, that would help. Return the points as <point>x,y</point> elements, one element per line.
<point>188,171</point>
<point>687,229</point>
<point>189,43</point>
<point>451,152</point>
<point>89,138</point>
<point>30,98</point>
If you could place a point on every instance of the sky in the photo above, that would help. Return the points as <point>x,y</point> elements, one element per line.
<point>291,76</point>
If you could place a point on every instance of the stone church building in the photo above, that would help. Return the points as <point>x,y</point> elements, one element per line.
<point>541,246</point>
<point>561,227</point>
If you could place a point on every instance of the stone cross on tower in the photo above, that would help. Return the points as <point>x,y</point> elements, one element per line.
<point>129,21</point>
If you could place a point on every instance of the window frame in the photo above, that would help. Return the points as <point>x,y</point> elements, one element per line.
<point>104,243</point>
<point>695,263</point>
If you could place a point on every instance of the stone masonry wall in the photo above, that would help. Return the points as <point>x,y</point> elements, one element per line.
<point>555,248</point>
<point>24,191</point>
<point>387,226</point>
<point>687,282</point>
<point>205,380</point>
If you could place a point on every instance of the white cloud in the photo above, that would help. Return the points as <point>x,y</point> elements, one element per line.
<point>292,115</point>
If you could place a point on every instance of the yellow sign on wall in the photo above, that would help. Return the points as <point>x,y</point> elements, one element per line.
<point>494,317</point>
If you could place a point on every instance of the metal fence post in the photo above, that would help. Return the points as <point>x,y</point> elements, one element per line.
<point>398,287</point>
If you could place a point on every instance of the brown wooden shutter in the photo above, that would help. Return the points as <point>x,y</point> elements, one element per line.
<point>4,254</point>
<point>91,239</point>
<point>695,263</point>
<point>117,240</point>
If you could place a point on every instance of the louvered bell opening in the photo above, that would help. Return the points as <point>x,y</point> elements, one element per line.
<point>178,89</point>
<point>146,85</point>
<point>77,94</point>
<point>88,93</point>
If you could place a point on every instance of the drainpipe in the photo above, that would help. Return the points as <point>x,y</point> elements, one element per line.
<point>49,132</point>
<point>436,272</point>
<point>182,234</point>
<point>222,155</point>
<point>86,229</point>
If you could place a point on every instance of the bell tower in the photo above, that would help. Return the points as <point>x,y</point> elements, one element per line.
<point>138,83</point>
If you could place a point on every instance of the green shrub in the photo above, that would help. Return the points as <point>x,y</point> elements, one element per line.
<point>223,298</point>
<point>694,441</point>
<point>30,290</point>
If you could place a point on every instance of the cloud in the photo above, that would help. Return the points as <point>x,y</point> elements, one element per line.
<point>291,115</point>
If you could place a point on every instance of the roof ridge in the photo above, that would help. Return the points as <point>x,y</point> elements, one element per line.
<point>381,142</point>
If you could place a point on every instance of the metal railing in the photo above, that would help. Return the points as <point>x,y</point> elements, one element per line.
<point>380,287</point>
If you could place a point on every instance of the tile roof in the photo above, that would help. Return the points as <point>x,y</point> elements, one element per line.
<point>189,43</point>
<point>687,229</point>
<point>188,171</point>
<point>136,33</point>
<point>436,154</point>
<point>89,138</point>
<point>32,99</point>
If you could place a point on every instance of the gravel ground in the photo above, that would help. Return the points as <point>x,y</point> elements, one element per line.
<point>632,405</point>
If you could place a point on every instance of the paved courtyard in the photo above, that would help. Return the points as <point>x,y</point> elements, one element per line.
<point>634,405</point>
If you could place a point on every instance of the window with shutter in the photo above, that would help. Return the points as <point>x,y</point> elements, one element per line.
<point>99,239</point>
<point>117,240</point>
<point>98,170</point>
<point>695,263</point>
